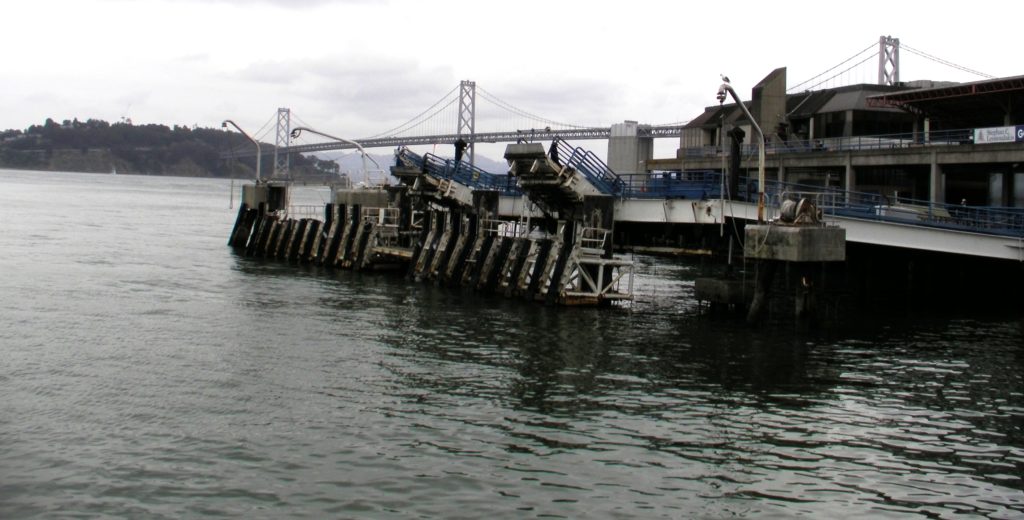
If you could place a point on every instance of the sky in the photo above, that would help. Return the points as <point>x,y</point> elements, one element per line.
<point>355,68</point>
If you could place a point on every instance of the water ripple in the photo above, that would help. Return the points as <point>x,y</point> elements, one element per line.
<point>149,372</point>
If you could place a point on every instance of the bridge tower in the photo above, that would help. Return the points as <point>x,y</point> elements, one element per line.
<point>888,60</point>
<point>467,115</point>
<point>282,142</point>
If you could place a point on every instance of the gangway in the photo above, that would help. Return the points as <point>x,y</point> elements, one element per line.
<point>560,179</point>
<point>447,178</point>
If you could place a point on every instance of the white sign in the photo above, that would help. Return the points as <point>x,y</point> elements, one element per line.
<point>999,134</point>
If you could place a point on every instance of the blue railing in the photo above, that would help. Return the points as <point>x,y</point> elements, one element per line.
<point>593,168</point>
<point>406,157</point>
<point>460,172</point>
<point>673,185</point>
<point>873,206</point>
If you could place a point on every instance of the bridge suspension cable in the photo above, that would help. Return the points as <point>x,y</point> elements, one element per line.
<point>419,119</point>
<point>847,60</point>
<point>844,71</point>
<point>522,113</point>
<point>814,82</point>
<point>945,62</point>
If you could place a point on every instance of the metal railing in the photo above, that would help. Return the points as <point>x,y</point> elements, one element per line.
<point>386,217</point>
<point>873,206</point>
<point>673,185</point>
<point>305,211</point>
<point>593,240</point>
<point>592,167</point>
<point>460,172</point>
<point>855,143</point>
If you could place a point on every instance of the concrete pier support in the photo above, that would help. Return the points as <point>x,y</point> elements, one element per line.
<point>774,245</point>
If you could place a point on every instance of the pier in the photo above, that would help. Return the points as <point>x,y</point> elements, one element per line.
<point>835,217</point>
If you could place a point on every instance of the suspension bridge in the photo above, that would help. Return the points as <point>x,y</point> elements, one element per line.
<point>455,115</point>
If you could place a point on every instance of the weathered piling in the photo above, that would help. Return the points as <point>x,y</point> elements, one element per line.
<point>338,213</point>
<point>240,231</point>
<point>536,273</point>
<point>350,223</point>
<point>461,250</point>
<point>435,222</point>
<point>445,245</point>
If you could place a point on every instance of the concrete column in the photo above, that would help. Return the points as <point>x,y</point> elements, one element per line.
<point>927,130</point>
<point>996,191</point>
<point>781,176</point>
<point>627,150</point>
<point>849,178</point>
<point>1018,190</point>
<point>848,124</point>
<point>936,188</point>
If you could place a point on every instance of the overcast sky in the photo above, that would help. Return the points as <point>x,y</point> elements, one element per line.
<point>355,68</point>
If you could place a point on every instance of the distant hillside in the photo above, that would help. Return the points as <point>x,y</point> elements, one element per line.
<point>99,146</point>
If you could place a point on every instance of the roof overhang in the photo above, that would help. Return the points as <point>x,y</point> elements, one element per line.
<point>917,100</point>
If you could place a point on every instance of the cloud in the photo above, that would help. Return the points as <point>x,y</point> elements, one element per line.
<point>582,102</point>
<point>285,4</point>
<point>371,88</point>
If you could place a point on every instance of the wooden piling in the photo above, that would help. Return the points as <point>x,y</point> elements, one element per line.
<point>557,279</point>
<point>345,248</point>
<point>429,246</point>
<point>475,263</point>
<point>516,260</point>
<point>333,235</point>
<point>538,275</point>
<point>287,228</point>
<point>238,231</point>
<point>462,250</point>
<point>257,222</point>
<point>445,246</point>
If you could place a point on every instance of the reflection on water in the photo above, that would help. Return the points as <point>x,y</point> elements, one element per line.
<point>148,371</point>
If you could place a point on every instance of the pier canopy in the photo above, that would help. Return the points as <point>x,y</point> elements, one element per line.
<point>990,102</point>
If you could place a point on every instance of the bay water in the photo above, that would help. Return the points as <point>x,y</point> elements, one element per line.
<point>148,371</point>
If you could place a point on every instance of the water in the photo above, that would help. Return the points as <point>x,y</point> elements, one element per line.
<point>149,372</point>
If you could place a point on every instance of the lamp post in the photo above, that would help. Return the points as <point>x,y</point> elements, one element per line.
<point>255,142</point>
<point>299,129</point>
<point>725,87</point>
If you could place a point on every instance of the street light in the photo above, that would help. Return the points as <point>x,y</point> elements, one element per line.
<point>299,129</point>
<point>255,142</point>
<point>725,87</point>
